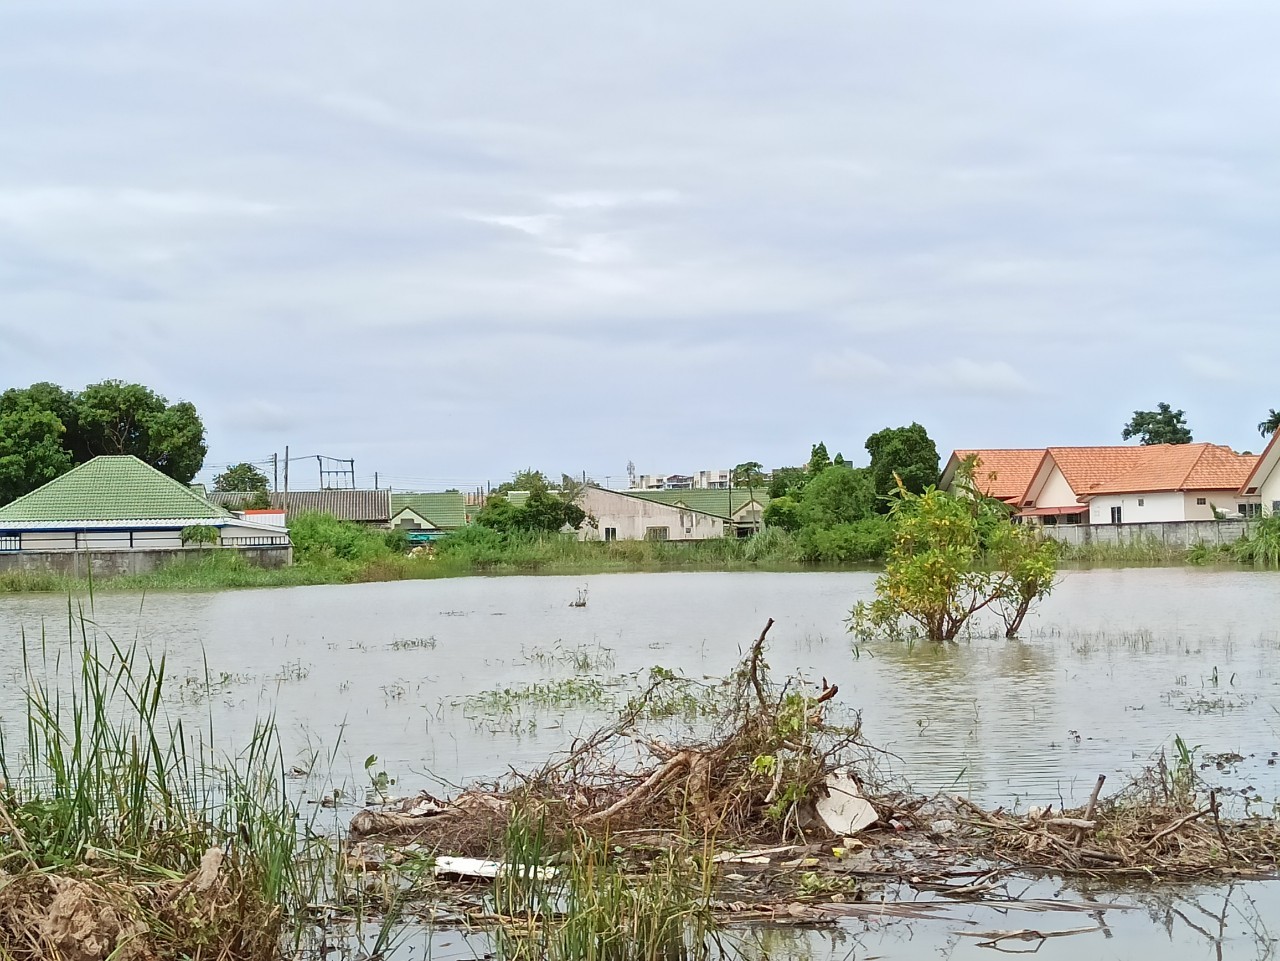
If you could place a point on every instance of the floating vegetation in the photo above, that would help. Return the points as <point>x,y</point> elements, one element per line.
<point>566,692</point>
<point>582,657</point>
<point>414,644</point>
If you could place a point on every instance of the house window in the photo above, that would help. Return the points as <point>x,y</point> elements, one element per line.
<point>656,533</point>
<point>688,530</point>
<point>1275,507</point>
<point>1201,501</point>
<point>611,533</point>
<point>1115,515</point>
<point>1251,510</point>
<point>1141,502</point>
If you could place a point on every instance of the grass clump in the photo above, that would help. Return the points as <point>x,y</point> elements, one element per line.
<point>121,837</point>
<point>593,906</point>
<point>1261,545</point>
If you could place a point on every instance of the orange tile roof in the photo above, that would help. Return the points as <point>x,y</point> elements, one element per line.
<point>1003,473</point>
<point>1174,467</point>
<point>1085,468</point>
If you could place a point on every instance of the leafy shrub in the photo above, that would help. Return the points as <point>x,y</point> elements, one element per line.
<point>1261,545</point>
<point>783,513</point>
<point>861,542</point>
<point>320,537</point>
<point>199,534</point>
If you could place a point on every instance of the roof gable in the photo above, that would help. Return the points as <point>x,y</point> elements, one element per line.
<point>443,510</point>
<point>112,488</point>
<point>1263,467</point>
<point>1001,473</point>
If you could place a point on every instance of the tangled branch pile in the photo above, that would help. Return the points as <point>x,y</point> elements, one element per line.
<point>757,779</point>
<point>1162,826</point>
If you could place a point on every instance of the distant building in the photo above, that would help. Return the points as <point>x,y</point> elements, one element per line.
<point>674,515</point>
<point>702,480</point>
<point>428,517</point>
<point>370,507</point>
<point>120,504</point>
<point>1116,485</point>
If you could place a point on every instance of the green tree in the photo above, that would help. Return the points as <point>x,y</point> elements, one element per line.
<point>839,495</point>
<point>31,449</point>
<point>1160,426</point>
<point>818,458</point>
<point>241,477</point>
<point>953,555</point>
<point>114,417</point>
<point>787,482</point>
<point>783,512</point>
<point>750,475</point>
<point>525,480</point>
<point>905,453</point>
<point>48,397</point>
<point>1271,424</point>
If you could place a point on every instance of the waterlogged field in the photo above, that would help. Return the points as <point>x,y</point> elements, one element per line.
<point>402,686</point>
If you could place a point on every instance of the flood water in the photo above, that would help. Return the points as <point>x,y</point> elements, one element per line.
<point>1112,667</point>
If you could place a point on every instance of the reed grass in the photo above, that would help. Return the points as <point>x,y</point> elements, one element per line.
<point>122,828</point>
<point>591,906</point>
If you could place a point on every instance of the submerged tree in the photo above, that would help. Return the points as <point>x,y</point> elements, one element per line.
<point>954,554</point>
<point>1160,426</point>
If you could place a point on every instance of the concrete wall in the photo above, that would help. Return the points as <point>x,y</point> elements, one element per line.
<point>632,517</point>
<point>112,563</point>
<point>1171,533</point>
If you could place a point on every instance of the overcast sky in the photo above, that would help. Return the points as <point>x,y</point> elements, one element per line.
<point>452,240</point>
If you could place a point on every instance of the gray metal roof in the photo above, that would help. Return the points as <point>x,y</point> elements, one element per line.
<point>362,506</point>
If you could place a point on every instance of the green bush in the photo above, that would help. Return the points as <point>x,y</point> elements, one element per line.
<point>862,542</point>
<point>1261,546</point>
<point>319,537</point>
<point>199,534</point>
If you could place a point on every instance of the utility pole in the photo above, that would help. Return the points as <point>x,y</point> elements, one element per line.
<point>275,472</point>
<point>375,476</point>
<point>285,503</point>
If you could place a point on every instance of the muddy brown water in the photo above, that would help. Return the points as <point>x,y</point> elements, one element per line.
<point>1113,666</point>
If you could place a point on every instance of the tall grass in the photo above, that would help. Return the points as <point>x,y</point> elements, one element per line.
<point>1261,545</point>
<point>109,805</point>
<point>591,908</point>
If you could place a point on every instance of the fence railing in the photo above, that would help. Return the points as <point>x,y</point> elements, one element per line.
<point>256,540</point>
<point>10,543</point>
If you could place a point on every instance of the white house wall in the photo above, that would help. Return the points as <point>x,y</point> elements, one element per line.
<point>633,517</point>
<point>1155,508</point>
<point>1270,491</point>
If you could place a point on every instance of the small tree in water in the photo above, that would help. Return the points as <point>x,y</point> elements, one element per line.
<point>953,555</point>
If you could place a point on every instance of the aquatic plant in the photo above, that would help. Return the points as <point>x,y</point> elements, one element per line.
<point>116,826</point>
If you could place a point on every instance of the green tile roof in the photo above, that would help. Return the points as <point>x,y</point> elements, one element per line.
<point>518,498</point>
<point>705,501</point>
<point>112,488</point>
<point>445,511</point>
